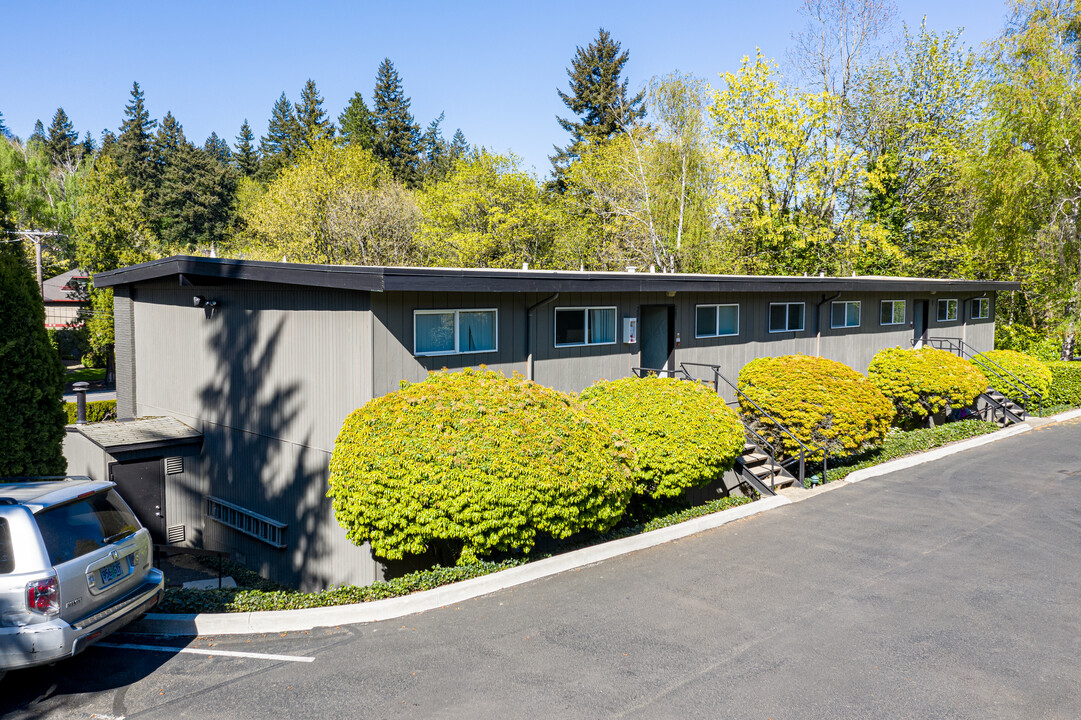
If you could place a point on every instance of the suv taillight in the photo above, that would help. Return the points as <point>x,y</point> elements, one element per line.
<point>43,596</point>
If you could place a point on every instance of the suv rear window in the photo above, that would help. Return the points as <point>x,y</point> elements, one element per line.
<point>77,528</point>
<point>7,557</point>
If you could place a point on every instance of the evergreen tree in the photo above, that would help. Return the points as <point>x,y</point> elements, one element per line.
<point>3,127</point>
<point>39,133</point>
<point>194,201</point>
<point>458,145</point>
<point>311,118</point>
<point>436,161</point>
<point>108,142</point>
<point>88,146</point>
<point>282,141</point>
<point>62,140</point>
<point>397,136</point>
<point>218,149</point>
<point>32,424</point>
<point>169,139</point>
<point>134,148</point>
<point>597,96</point>
<point>246,157</point>
<point>357,124</point>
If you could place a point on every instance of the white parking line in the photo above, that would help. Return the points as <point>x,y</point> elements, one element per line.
<point>204,651</point>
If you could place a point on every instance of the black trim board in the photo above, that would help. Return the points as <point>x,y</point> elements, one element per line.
<point>406,279</point>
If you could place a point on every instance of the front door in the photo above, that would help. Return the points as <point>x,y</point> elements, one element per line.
<point>142,485</point>
<point>657,337</point>
<point>919,323</point>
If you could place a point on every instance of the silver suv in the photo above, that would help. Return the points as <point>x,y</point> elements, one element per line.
<point>75,566</point>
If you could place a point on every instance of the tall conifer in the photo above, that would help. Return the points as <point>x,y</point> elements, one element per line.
<point>397,136</point>
<point>246,157</point>
<point>356,123</point>
<point>598,96</point>
<point>61,140</point>
<point>218,149</point>
<point>311,118</point>
<point>134,143</point>
<point>39,133</point>
<point>282,141</point>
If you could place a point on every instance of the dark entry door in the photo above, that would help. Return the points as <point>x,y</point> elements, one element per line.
<point>919,323</point>
<point>657,337</point>
<point>142,485</point>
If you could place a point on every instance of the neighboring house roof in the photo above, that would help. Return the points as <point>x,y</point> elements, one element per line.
<point>66,287</point>
<point>140,434</point>
<point>201,271</point>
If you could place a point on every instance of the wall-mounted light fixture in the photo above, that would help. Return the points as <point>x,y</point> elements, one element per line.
<point>200,301</point>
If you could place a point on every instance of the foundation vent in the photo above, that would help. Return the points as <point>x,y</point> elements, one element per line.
<point>246,521</point>
<point>174,465</point>
<point>176,534</point>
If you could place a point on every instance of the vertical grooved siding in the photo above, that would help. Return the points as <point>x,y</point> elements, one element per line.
<point>124,350</point>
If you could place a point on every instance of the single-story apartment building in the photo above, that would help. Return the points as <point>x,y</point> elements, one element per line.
<point>236,375</point>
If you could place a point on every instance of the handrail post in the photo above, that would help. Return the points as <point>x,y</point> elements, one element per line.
<point>802,473</point>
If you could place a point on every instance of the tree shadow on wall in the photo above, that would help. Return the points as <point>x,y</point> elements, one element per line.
<point>256,454</point>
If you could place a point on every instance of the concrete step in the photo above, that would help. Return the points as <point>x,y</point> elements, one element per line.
<point>756,458</point>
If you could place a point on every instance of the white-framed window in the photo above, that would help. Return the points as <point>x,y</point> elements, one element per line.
<point>845,314</point>
<point>453,332</point>
<point>716,320</point>
<point>947,310</point>
<point>786,317</point>
<point>981,308</point>
<point>891,312</point>
<point>585,326</point>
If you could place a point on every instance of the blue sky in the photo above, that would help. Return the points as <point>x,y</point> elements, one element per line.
<point>492,68</point>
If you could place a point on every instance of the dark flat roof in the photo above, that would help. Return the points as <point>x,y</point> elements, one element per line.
<point>202,271</point>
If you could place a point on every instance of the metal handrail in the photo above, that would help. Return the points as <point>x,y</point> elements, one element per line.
<point>643,372</point>
<point>962,349</point>
<point>804,449</point>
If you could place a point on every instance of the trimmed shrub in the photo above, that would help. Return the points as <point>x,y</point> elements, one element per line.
<point>474,462</point>
<point>1026,368</point>
<point>683,434</point>
<point>826,404</point>
<point>96,411</point>
<point>31,394</point>
<point>1065,383</point>
<point>924,382</point>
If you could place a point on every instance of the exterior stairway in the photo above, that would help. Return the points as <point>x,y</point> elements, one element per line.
<point>754,467</point>
<point>999,409</point>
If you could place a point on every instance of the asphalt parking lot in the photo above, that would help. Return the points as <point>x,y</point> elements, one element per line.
<point>949,590</point>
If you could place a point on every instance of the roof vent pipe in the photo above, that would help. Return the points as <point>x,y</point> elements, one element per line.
<point>80,389</point>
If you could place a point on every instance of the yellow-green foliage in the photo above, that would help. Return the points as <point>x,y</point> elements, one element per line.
<point>926,381</point>
<point>826,404</point>
<point>683,434</point>
<point>1026,368</point>
<point>479,461</point>
<point>1065,383</point>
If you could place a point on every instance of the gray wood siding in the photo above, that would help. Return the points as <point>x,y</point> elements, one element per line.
<point>124,337</point>
<point>268,377</point>
<point>574,368</point>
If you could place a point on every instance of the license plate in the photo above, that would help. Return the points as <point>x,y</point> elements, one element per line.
<point>110,573</point>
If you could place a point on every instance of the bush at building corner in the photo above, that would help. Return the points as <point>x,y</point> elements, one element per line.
<point>683,434</point>
<point>1025,368</point>
<point>924,382</point>
<point>96,411</point>
<point>1065,383</point>
<point>475,462</point>
<point>826,404</point>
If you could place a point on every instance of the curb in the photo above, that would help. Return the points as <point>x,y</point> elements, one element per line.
<point>941,452</point>
<point>267,621</point>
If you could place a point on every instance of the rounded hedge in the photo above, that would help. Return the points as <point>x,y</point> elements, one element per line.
<point>1026,368</point>
<point>478,460</point>
<point>826,404</point>
<point>1065,383</point>
<point>924,382</point>
<point>683,434</point>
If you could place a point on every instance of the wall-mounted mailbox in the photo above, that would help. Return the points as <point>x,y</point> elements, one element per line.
<point>630,330</point>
